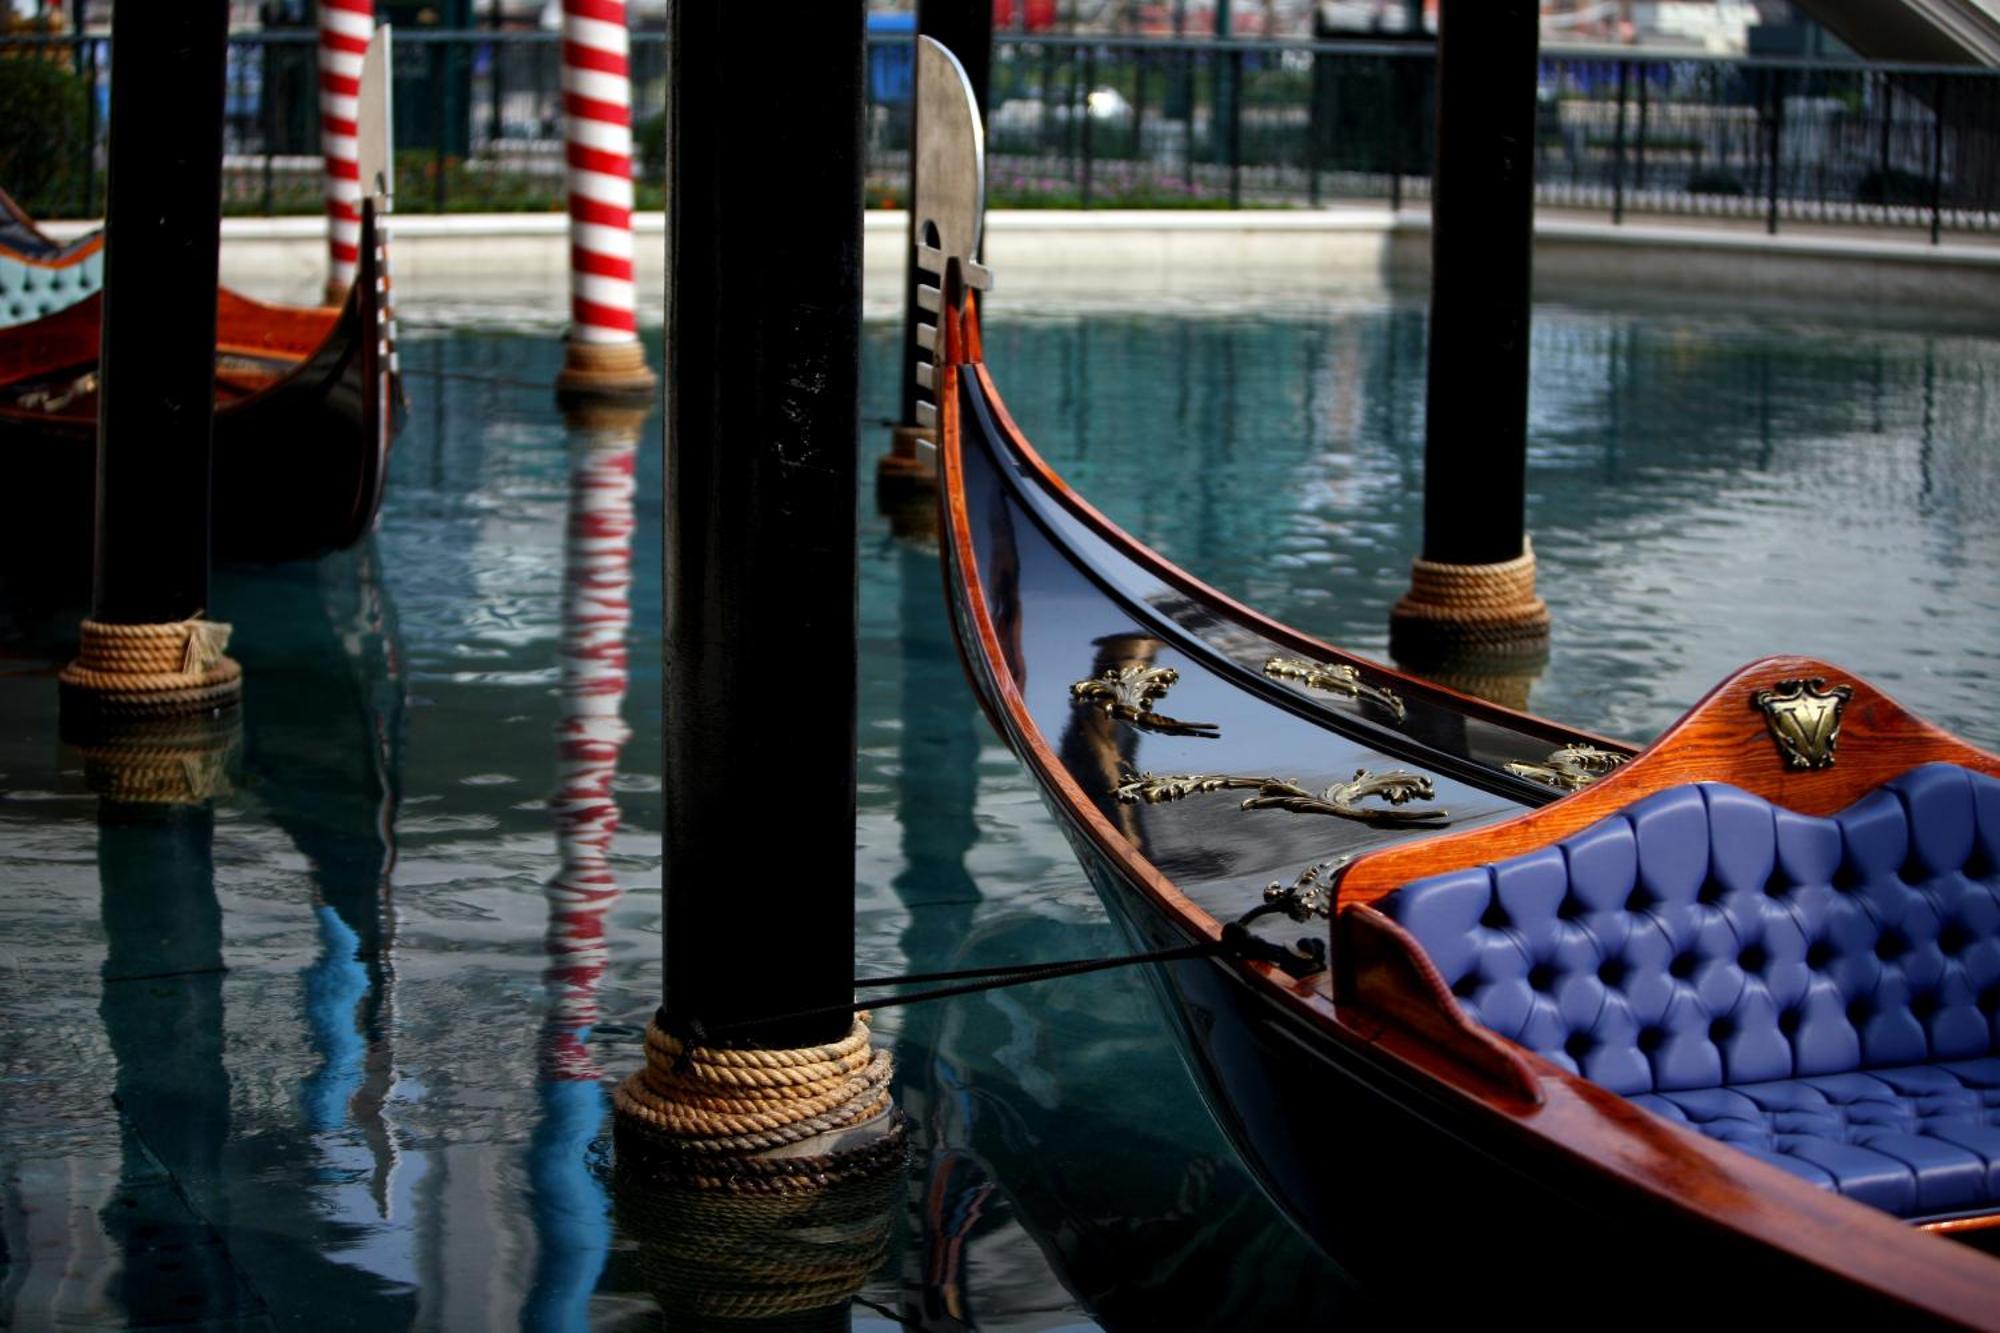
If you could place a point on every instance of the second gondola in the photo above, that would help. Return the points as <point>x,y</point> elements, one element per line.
<point>307,404</point>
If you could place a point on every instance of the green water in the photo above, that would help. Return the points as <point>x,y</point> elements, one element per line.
<point>321,1057</point>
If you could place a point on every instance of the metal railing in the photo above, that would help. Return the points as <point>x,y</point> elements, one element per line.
<point>1087,123</point>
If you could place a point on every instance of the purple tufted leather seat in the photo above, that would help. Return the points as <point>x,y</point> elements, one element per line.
<point>1822,993</point>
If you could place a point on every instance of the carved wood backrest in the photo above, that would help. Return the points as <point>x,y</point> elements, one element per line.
<point>1800,733</point>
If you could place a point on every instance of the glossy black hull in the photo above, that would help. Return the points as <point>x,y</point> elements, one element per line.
<point>298,467</point>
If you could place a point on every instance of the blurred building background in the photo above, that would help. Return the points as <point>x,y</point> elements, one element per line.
<point>1712,27</point>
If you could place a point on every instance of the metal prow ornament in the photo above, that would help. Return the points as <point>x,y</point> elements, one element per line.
<point>374,145</point>
<point>948,207</point>
<point>375,156</point>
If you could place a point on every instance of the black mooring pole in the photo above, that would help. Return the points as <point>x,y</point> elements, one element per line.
<point>1482,249</point>
<point>764,343</point>
<point>1472,616</point>
<point>965,27</point>
<point>156,403</point>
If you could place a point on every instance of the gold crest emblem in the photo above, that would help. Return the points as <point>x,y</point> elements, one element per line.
<point>1804,718</point>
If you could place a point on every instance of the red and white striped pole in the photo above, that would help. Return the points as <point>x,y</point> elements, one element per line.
<point>603,357</point>
<point>344,29</point>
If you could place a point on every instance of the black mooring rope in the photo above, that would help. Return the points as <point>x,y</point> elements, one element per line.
<point>1235,940</point>
<point>1025,972</point>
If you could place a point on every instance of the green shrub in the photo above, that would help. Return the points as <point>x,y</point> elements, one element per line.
<point>480,186</point>
<point>471,187</point>
<point>1892,185</point>
<point>44,148</point>
<point>1714,182</point>
<point>649,148</point>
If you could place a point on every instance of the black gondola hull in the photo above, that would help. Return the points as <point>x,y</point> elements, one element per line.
<point>1442,1197</point>
<point>298,466</point>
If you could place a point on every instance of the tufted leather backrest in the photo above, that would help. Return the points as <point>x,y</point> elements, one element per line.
<point>1703,936</point>
<point>30,291</point>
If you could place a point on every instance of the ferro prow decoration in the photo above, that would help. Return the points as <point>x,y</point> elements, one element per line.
<point>1381,1092</point>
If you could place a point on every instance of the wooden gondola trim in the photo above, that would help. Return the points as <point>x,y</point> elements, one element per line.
<point>1721,739</point>
<point>252,327</point>
<point>67,339</point>
<point>1388,975</point>
<point>244,327</point>
<point>1579,1130</point>
<point>66,256</point>
<point>82,250</point>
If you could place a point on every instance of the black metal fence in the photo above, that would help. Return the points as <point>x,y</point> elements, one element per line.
<point>1078,122</point>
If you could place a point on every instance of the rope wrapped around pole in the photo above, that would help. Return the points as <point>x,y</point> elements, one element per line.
<point>160,670</point>
<point>708,1107</point>
<point>1481,608</point>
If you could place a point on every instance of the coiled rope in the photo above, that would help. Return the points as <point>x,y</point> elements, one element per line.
<point>154,670</point>
<point>718,1101</point>
<point>1490,605</point>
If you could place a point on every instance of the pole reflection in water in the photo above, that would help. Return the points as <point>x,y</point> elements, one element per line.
<point>936,803</point>
<point>572,1227</point>
<point>202,1200</point>
<point>335,984</point>
<point>162,1011</point>
<point>323,752</point>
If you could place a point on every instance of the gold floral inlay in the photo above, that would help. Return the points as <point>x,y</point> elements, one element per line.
<point>1571,768</point>
<point>1128,694</point>
<point>1332,678</point>
<point>1308,896</point>
<point>1343,799</point>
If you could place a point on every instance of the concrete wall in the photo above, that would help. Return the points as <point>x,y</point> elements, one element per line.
<point>516,265</point>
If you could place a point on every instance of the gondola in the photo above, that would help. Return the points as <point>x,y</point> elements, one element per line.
<point>40,275</point>
<point>308,402</point>
<point>308,399</point>
<point>1505,1016</point>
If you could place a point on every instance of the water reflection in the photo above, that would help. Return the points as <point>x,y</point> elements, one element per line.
<point>162,1013</point>
<point>1699,487</point>
<point>205,1197</point>
<point>1069,1119</point>
<point>323,753</point>
<point>572,1230</point>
